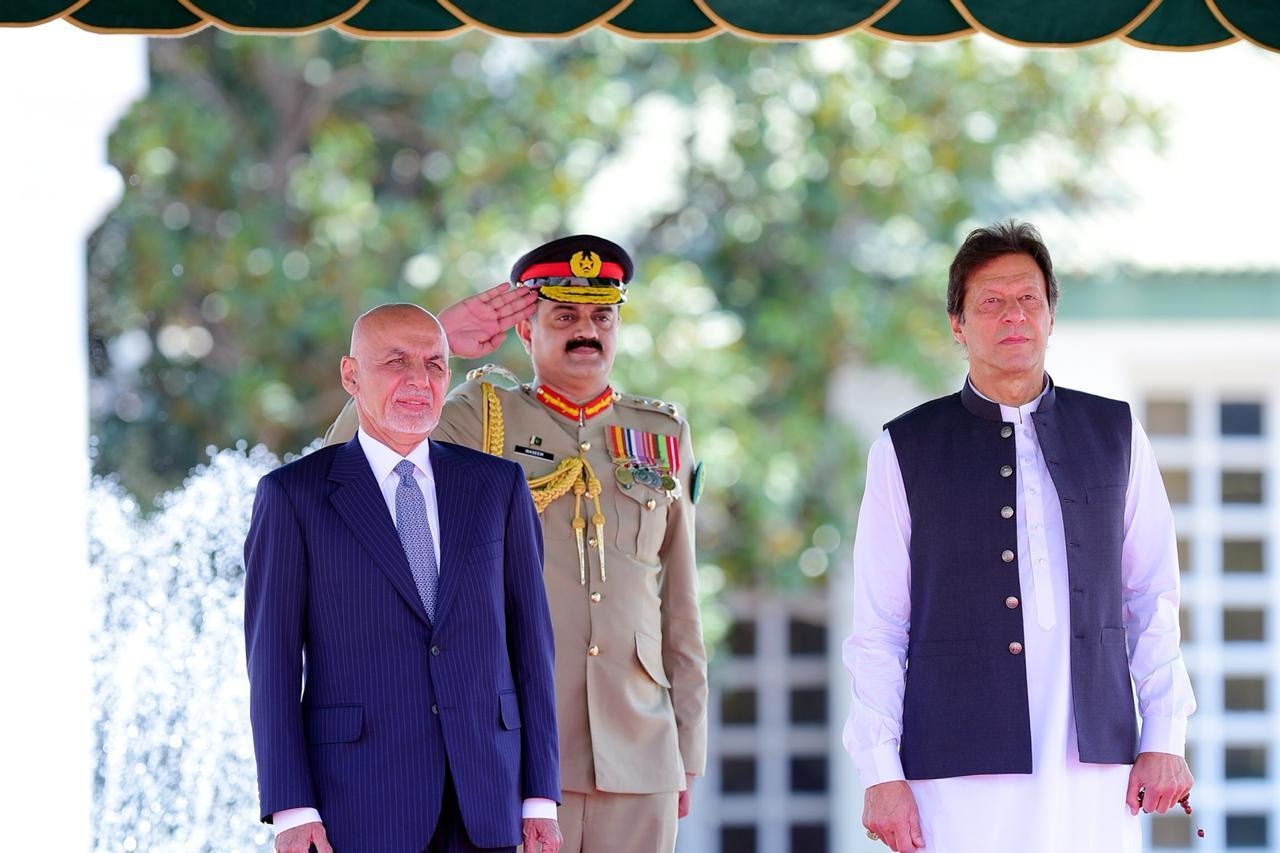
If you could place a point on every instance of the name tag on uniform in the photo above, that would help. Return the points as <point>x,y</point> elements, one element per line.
<point>534,452</point>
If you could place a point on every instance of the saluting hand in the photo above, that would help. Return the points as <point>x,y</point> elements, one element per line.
<point>541,831</point>
<point>477,325</point>
<point>300,839</point>
<point>890,815</point>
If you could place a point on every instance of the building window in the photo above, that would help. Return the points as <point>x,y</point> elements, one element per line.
<point>1241,418</point>
<point>1242,487</point>
<point>1171,830</point>
<point>808,838</point>
<point>1244,625</point>
<point>1177,482</point>
<point>737,839</point>
<point>809,705</point>
<point>738,774</point>
<point>1245,762</point>
<point>1184,554</point>
<point>1168,417</point>
<point>741,639</point>
<point>1184,623</point>
<point>738,707</point>
<point>809,774</point>
<point>806,638</point>
<point>1246,830</point>
<point>1242,555</point>
<point>1244,694</point>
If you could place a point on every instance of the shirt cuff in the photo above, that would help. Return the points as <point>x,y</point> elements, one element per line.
<point>879,764</point>
<point>1163,734</point>
<point>538,807</point>
<point>289,818</point>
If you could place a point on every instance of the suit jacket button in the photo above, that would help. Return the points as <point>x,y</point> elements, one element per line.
<point>1006,431</point>
<point>593,650</point>
<point>435,709</point>
<point>1011,602</point>
<point>1006,512</point>
<point>585,446</point>
<point>1007,556</point>
<point>435,650</point>
<point>1015,648</point>
<point>1006,470</point>
<point>595,597</point>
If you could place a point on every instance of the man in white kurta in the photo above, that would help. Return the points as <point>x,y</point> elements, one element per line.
<point>1063,804</point>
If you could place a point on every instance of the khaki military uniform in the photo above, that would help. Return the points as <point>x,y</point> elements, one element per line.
<point>631,681</point>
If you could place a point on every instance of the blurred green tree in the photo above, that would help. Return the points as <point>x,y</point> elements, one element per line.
<point>278,187</point>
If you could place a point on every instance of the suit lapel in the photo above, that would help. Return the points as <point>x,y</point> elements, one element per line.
<point>359,501</point>
<point>455,503</point>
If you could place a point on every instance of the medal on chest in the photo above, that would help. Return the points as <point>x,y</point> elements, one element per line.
<point>645,458</point>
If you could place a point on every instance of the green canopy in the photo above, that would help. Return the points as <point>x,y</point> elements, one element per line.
<point>1158,24</point>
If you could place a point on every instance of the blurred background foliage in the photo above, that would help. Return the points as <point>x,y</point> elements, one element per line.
<point>814,196</point>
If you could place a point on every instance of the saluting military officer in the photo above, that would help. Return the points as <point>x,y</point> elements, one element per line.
<point>614,478</point>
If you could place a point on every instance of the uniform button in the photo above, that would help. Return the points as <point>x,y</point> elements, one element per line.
<point>585,446</point>
<point>592,541</point>
<point>1006,512</point>
<point>1015,648</point>
<point>1006,470</point>
<point>435,709</point>
<point>1011,602</point>
<point>1032,492</point>
<point>650,504</point>
<point>595,597</point>
<point>1007,555</point>
<point>593,650</point>
<point>1006,431</point>
<point>435,650</point>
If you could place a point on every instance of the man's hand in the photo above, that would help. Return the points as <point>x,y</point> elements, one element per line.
<point>541,831</point>
<point>300,838</point>
<point>889,811</point>
<point>1163,778</point>
<point>477,325</point>
<point>684,801</point>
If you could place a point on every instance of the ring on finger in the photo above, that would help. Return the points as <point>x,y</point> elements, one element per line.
<point>871,834</point>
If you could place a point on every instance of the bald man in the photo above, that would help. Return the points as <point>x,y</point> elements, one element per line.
<point>407,573</point>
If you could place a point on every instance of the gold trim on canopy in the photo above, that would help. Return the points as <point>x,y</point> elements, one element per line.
<point>458,13</point>
<point>963,9</point>
<point>195,9</point>
<point>73,7</point>
<point>1226,22</point>
<point>705,6</point>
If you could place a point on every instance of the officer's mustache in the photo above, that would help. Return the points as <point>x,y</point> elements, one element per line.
<point>578,343</point>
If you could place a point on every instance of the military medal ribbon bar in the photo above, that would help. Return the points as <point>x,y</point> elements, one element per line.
<point>647,458</point>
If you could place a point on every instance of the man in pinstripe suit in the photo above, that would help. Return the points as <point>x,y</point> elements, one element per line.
<point>427,719</point>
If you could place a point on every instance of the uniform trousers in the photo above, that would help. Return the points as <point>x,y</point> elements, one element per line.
<point>600,822</point>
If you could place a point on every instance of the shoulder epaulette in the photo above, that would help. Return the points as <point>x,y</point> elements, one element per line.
<point>648,404</point>
<point>493,369</point>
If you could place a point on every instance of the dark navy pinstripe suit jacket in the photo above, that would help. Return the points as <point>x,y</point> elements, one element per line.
<point>386,699</point>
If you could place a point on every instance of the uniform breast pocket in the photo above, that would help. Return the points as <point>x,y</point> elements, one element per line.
<point>641,518</point>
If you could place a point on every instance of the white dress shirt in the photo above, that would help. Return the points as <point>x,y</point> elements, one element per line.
<point>382,461</point>
<point>1064,806</point>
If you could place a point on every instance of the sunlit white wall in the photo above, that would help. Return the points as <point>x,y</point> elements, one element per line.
<point>63,90</point>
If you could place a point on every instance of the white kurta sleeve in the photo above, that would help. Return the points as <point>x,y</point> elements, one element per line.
<point>1149,572</point>
<point>875,652</point>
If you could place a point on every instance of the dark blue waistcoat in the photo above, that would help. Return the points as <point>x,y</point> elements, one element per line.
<point>965,705</point>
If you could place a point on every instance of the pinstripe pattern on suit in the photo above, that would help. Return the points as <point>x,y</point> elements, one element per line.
<point>327,580</point>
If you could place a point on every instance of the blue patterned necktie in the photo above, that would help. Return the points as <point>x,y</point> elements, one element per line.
<point>415,536</point>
